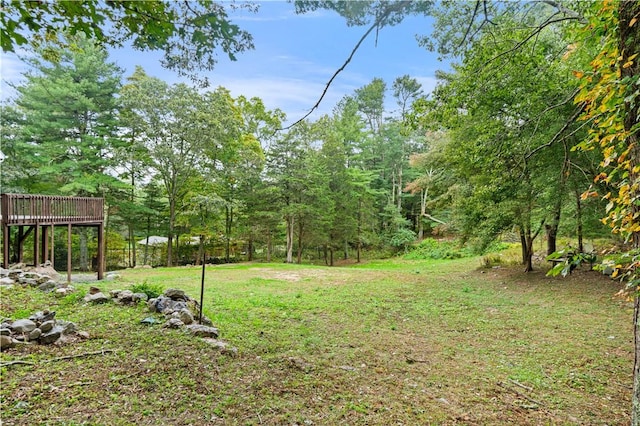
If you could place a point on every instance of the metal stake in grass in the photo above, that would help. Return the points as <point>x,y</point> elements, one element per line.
<point>202,281</point>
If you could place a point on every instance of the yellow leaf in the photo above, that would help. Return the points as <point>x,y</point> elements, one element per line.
<point>578,74</point>
<point>633,21</point>
<point>628,64</point>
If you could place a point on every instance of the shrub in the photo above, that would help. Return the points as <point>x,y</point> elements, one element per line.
<point>430,248</point>
<point>151,290</point>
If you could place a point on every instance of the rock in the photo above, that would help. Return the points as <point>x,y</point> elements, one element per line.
<point>173,323</point>
<point>28,281</point>
<point>222,347</point>
<point>63,291</point>
<point>51,336</point>
<point>166,305</point>
<point>200,330</point>
<point>206,321</point>
<point>5,332</point>
<point>18,266</point>
<point>175,294</point>
<point>14,274</point>
<point>68,327</point>
<point>125,294</point>
<point>137,297</point>
<point>6,342</point>
<point>4,272</point>
<point>95,298</point>
<point>47,326</point>
<point>185,316</point>
<point>43,279</point>
<point>23,326</point>
<point>83,334</point>
<point>94,290</point>
<point>112,277</point>
<point>151,304</point>
<point>43,316</point>
<point>35,334</point>
<point>5,281</point>
<point>114,293</point>
<point>47,286</point>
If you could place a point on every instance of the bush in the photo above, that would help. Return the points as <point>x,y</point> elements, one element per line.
<point>151,290</point>
<point>430,248</point>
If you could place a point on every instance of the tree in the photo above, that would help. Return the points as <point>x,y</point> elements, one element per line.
<point>609,93</point>
<point>66,122</point>
<point>174,136</point>
<point>190,33</point>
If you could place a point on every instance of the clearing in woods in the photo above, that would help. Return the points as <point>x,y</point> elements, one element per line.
<point>389,342</point>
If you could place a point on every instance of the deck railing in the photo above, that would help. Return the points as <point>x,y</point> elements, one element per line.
<point>27,209</point>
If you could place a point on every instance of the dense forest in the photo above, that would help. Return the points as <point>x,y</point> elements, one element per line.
<point>490,152</point>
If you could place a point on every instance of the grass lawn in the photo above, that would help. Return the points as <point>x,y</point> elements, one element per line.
<point>383,343</point>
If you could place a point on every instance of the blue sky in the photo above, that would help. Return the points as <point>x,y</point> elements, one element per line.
<point>294,57</point>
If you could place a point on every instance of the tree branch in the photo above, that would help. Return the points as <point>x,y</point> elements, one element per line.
<point>379,22</point>
<point>556,137</point>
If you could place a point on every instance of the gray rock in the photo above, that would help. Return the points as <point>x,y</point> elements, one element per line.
<point>23,326</point>
<point>31,275</point>
<point>206,321</point>
<point>166,305</point>
<point>199,330</point>
<point>137,297</point>
<point>111,277</point>
<point>125,296</point>
<point>175,294</point>
<point>6,281</point>
<point>51,336</point>
<point>28,281</point>
<point>47,326</point>
<point>35,334</point>
<point>151,304</point>
<point>223,347</point>
<point>43,279</point>
<point>14,274</point>
<point>67,327</point>
<point>63,291</point>
<point>4,272</point>
<point>47,286</point>
<point>5,332</point>
<point>114,293</point>
<point>43,316</point>
<point>173,323</point>
<point>95,298</point>
<point>185,316</point>
<point>6,342</point>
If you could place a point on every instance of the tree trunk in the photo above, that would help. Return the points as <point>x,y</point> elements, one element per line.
<point>579,222</point>
<point>172,223</point>
<point>146,246</point>
<point>290,224</point>
<point>523,245</point>
<point>250,249</point>
<point>228,225</point>
<point>299,257</point>
<point>84,250</point>
<point>529,252</point>
<point>269,245</point>
<point>346,250</point>
<point>629,42</point>
<point>330,256</point>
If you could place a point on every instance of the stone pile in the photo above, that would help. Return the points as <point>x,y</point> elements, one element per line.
<point>41,327</point>
<point>180,311</point>
<point>43,277</point>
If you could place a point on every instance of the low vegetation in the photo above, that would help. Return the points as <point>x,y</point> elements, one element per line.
<point>387,342</point>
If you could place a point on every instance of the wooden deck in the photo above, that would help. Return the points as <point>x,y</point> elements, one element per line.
<point>44,212</point>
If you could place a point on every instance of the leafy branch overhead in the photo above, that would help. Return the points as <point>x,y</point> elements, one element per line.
<point>190,33</point>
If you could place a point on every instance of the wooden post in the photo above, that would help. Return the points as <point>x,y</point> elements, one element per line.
<point>69,253</point>
<point>101,251</point>
<point>45,243</point>
<point>21,237</point>
<point>36,245</point>
<point>53,233</point>
<point>5,245</point>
